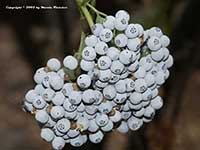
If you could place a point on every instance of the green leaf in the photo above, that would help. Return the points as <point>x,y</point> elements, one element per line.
<point>70,73</point>
<point>99,19</point>
<point>145,53</point>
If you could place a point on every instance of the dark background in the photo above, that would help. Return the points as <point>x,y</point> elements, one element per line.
<point>28,38</point>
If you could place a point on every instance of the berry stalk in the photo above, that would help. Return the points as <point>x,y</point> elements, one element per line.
<point>81,46</point>
<point>95,10</point>
<point>82,6</point>
<point>85,15</point>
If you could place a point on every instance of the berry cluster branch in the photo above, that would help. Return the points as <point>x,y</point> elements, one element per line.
<point>85,14</point>
<point>81,46</point>
<point>86,9</point>
<point>95,10</point>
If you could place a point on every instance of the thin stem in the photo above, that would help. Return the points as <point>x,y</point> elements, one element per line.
<point>87,16</point>
<point>81,46</point>
<point>84,15</point>
<point>96,11</point>
<point>84,12</point>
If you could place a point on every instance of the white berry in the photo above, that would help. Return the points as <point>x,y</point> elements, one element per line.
<point>41,116</point>
<point>57,112</point>
<point>109,92</point>
<point>117,67</point>
<point>53,64</point>
<point>91,40</point>
<point>134,44</point>
<point>154,43</point>
<point>84,81</point>
<point>70,62</point>
<point>47,134</point>
<point>106,35</point>
<point>101,48</point>
<point>134,123</point>
<point>97,28</point>
<point>63,125</point>
<point>123,14</point>
<point>75,97</point>
<point>30,96</point>
<point>58,143</point>
<point>121,23</point>
<point>96,137</point>
<point>109,22</point>
<point>88,53</point>
<point>58,99</point>
<point>104,62</point>
<point>121,40</point>
<point>132,31</point>
<point>113,53</point>
<point>87,65</point>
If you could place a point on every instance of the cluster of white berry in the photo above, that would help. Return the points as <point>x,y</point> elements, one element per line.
<point>122,67</point>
